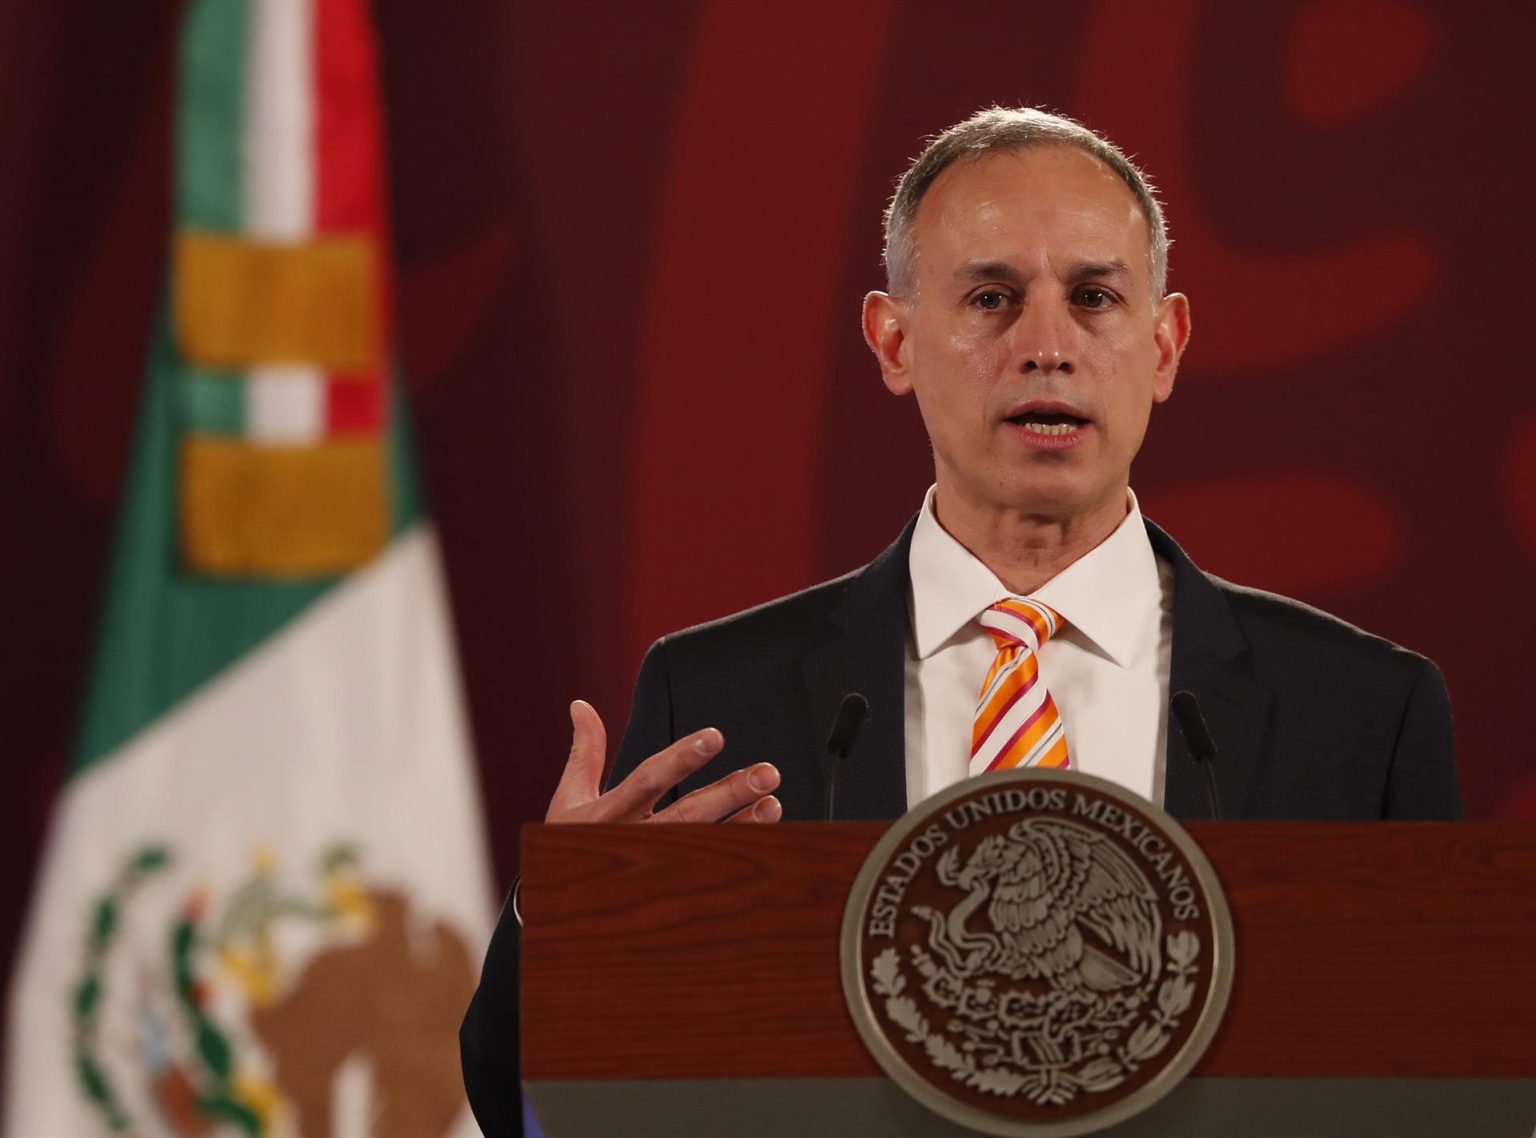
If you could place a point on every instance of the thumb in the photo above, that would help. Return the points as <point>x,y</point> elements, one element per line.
<point>579,783</point>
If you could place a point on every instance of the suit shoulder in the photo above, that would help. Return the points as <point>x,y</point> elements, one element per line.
<point>1295,628</point>
<point>789,616</point>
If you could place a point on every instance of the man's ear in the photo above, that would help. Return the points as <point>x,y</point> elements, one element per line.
<point>885,331</point>
<point>1170,337</point>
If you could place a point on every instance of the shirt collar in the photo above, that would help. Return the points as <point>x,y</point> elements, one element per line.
<point>1104,595</point>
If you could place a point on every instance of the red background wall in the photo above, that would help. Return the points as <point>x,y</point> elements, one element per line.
<point>632,244</point>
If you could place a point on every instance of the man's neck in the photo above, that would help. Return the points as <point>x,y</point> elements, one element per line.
<point>1025,550</point>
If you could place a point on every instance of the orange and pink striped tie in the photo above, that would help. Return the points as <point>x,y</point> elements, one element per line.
<point>1017,724</point>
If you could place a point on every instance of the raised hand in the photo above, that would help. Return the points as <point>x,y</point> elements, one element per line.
<point>742,796</point>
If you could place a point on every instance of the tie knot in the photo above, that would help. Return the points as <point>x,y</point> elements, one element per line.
<point>1018,620</point>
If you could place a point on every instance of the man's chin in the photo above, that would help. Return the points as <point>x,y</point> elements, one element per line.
<point>1047,493</point>
<point>1065,501</point>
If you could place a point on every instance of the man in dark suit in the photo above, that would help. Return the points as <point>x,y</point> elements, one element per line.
<point>1027,313</point>
<point>1313,718</point>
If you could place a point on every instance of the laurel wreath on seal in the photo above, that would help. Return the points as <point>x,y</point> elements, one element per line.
<point>1041,1083</point>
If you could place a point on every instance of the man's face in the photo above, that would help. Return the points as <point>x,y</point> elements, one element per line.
<point>1031,339</point>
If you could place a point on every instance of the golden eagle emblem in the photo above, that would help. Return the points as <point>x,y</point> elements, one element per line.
<point>1043,886</point>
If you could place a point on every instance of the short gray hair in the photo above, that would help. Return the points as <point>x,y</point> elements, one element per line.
<point>1002,130</point>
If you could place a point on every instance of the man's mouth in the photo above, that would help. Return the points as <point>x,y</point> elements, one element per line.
<point>1052,424</point>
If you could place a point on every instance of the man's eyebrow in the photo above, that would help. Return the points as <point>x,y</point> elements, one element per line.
<point>1095,270</point>
<point>1003,271</point>
<point>987,271</point>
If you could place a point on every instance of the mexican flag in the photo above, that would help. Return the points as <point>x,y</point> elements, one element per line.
<point>265,894</point>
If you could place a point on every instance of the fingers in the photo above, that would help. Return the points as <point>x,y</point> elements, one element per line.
<point>747,791</point>
<point>579,782</point>
<point>768,809</point>
<point>743,796</point>
<point>632,799</point>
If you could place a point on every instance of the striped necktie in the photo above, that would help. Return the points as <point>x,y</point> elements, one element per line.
<point>1017,724</point>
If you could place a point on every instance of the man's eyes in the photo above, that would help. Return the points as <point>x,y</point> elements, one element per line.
<point>1092,297</point>
<point>992,300</point>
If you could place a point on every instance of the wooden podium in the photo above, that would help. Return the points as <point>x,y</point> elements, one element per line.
<point>682,980</point>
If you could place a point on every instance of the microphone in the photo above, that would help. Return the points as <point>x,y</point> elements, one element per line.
<point>1186,709</point>
<point>851,716</point>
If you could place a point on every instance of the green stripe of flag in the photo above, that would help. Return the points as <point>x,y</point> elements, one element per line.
<point>166,632</point>
<point>209,113</point>
<point>212,403</point>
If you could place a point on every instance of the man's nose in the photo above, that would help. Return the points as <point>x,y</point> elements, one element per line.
<point>1044,339</point>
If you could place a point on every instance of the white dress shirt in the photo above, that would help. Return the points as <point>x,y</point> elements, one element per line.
<point>1107,669</point>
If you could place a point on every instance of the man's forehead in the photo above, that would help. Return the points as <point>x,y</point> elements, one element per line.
<point>1033,172</point>
<point>1052,194</point>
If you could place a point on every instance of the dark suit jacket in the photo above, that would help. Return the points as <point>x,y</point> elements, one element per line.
<point>1313,719</point>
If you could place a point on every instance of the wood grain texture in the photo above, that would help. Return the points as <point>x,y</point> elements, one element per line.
<point>1384,949</point>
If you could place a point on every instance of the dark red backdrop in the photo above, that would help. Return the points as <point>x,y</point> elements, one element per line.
<point>632,244</point>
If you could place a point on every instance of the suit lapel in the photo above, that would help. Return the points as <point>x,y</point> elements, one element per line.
<point>866,653</point>
<point>1212,659</point>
